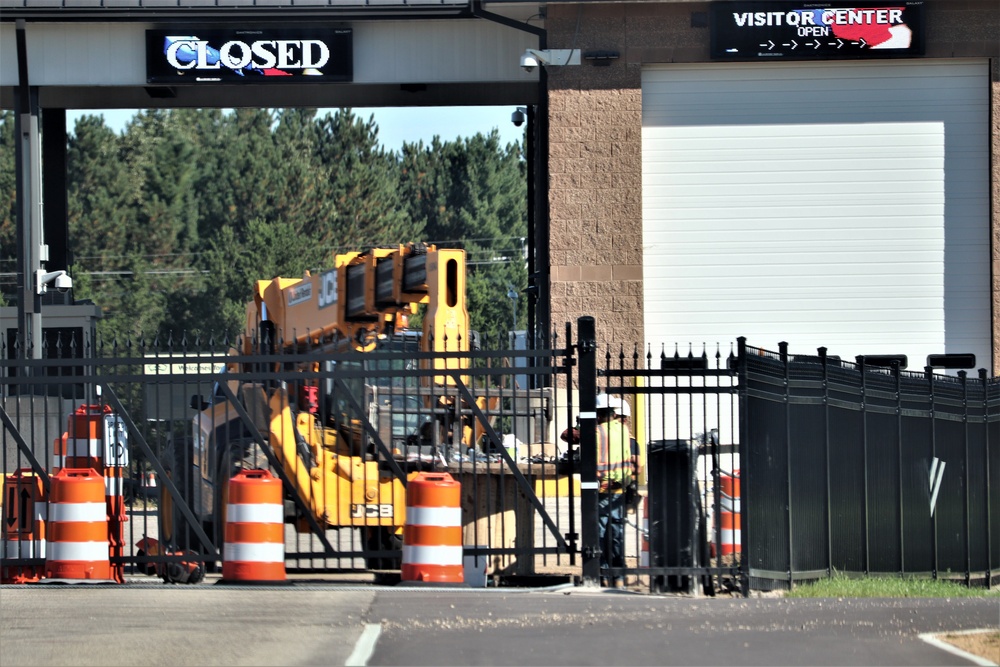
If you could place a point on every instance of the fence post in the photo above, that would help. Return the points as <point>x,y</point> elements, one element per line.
<point>828,509</point>
<point>864,463</point>
<point>964,377</point>
<point>745,478</point>
<point>899,465</point>
<point>783,352</point>
<point>587,378</point>
<point>929,376</point>
<point>986,468</point>
<point>573,537</point>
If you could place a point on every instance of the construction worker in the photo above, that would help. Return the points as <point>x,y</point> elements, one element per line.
<point>614,474</point>
<point>623,412</point>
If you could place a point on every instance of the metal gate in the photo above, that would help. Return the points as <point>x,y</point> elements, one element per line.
<point>195,413</point>
<point>681,533</point>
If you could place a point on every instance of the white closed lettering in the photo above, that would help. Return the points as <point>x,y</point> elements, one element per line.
<point>286,54</point>
<point>200,48</point>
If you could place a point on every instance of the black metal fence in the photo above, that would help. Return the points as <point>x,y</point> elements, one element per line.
<point>757,469</point>
<point>488,417</point>
<point>860,469</point>
<point>682,535</point>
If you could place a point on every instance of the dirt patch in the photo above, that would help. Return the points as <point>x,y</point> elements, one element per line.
<point>984,644</point>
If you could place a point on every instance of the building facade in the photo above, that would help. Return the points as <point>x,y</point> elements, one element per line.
<point>815,173</point>
<point>851,202</point>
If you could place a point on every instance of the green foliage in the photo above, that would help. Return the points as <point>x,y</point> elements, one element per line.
<point>102,196</point>
<point>472,193</point>
<point>172,221</point>
<point>363,182</point>
<point>8,199</point>
<point>840,585</point>
<point>235,262</point>
<point>163,161</point>
<point>138,303</point>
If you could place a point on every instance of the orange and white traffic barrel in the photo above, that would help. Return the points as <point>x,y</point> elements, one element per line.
<point>82,445</point>
<point>78,527</point>
<point>58,454</point>
<point>729,513</point>
<point>254,549</point>
<point>96,438</point>
<point>432,535</point>
<point>25,512</point>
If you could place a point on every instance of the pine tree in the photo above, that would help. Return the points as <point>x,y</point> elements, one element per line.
<point>193,206</point>
<point>8,206</point>
<point>364,185</point>
<point>102,198</point>
<point>472,193</point>
<point>235,263</point>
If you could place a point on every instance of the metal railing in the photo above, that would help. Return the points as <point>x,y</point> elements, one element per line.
<point>757,469</point>
<point>682,533</point>
<point>489,417</point>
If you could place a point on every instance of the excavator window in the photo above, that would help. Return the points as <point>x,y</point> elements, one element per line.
<point>451,279</point>
<point>339,406</point>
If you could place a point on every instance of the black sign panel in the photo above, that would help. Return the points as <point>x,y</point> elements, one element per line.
<point>250,55</point>
<point>821,30</point>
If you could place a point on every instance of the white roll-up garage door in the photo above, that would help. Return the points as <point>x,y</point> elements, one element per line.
<point>832,204</point>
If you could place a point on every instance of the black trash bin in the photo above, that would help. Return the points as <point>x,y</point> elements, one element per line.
<point>677,531</point>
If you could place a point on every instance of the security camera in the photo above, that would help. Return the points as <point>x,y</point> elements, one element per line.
<point>528,61</point>
<point>517,117</point>
<point>58,280</point>
<point>63,283</point>
<point>532,58</point>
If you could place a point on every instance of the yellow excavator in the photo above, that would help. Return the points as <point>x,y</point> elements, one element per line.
<point>302,400</point>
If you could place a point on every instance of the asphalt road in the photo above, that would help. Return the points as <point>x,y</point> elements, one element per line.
<point>336,624</point>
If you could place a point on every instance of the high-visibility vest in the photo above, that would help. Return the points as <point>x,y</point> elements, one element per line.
<point>614,455</point>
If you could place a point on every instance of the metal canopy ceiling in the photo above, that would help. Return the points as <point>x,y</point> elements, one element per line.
<point>189,10</point>
<point>270,10</point>
<point>416,91</point>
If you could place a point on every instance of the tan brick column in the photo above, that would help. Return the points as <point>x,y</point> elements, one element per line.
<point>995,210</point>
<point>595,178</point>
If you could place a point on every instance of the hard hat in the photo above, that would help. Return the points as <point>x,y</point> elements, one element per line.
<point>624,410</point>
<point>603,402</point>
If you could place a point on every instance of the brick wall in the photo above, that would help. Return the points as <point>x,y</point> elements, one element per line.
<point>995,210</point>
<point>595,176</point>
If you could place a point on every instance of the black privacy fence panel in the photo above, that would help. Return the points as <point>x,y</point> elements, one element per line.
<point>867,469</point>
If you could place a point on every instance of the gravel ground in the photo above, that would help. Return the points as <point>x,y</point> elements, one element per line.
<point>985,644</point>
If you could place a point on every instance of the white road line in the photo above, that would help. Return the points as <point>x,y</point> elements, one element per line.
<point>365,647</point>
<point>932,639</point>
